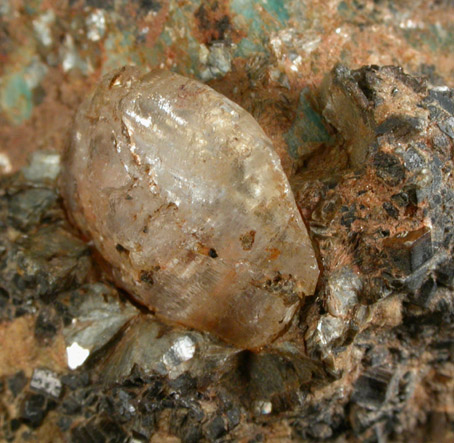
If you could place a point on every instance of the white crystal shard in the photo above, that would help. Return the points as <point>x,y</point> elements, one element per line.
<point>183,194</point>
<point>47,381</point>
<point>76,355</point>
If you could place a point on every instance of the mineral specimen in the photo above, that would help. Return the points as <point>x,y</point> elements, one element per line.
<point>182,193</point>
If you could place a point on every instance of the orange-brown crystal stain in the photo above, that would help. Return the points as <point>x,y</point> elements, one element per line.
<point>247,240</point>
<point>274,253</point>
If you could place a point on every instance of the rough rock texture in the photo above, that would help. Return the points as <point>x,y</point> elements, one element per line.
<point>370,357</point>
<point>182,192</point>
<point>380,205</point>
<point>391,192</point>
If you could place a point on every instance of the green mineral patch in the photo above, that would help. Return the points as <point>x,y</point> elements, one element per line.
<point>257,19</point>
<point>308,129</point>
<point>16,98</point>
<point>119,50</point>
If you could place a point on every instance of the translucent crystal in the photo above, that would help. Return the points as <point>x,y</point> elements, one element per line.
<point>158,349</point>
<point>183,194</point>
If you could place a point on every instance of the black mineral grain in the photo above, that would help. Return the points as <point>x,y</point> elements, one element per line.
<point>410,251</point>
<point>47,324</point>
<point>373,388</point>
<point>102,430</point>
<point>445,274</point>
<point>34,409</point>
<point>17,382</point>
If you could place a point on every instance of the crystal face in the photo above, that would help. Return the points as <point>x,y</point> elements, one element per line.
<point>183,194</point>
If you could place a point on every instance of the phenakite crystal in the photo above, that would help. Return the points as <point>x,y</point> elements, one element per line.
<point>183,194</point>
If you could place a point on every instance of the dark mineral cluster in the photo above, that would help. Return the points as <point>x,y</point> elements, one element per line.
<point>369,357</point>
